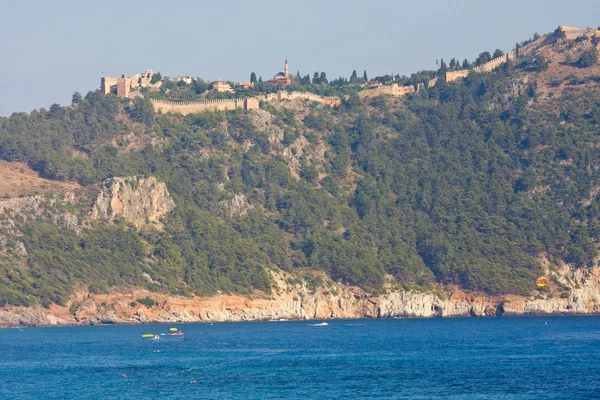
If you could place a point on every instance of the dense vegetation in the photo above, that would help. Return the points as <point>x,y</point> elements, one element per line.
<point>466,183</point>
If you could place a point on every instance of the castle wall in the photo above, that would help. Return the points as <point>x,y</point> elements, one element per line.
<point>123,85</point>
<point>108,85</point>
<point>530,46</point>
<point>392,90</point>
<point>252,103</point>
<point>192,107</point>
<point>570,33</point>
<point>452,76</point>
<point>333,101</point>
<point>494,63</point>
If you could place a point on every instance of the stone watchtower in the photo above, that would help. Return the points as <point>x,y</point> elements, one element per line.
<point>286,68</point>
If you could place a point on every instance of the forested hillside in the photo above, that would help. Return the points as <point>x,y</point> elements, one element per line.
<point>467,183</point>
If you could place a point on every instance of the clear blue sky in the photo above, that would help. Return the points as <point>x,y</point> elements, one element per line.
<point>52,49</point>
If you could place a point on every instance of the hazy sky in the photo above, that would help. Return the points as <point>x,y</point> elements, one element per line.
<point>51,49</point>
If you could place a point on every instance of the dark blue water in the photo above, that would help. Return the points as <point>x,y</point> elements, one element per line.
<point>467,358</point>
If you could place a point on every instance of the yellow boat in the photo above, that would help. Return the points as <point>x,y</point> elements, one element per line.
<point>148,335</point>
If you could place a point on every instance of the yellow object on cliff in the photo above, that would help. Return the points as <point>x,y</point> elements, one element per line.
<point>542,281</point>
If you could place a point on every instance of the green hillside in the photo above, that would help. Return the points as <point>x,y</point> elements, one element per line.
<point>465,183</point>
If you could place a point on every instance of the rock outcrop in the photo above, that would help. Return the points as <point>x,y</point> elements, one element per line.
<point>237,206</point>
<point>140,201</point>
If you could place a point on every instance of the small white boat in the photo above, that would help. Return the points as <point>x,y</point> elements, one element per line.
<point>321,324</point>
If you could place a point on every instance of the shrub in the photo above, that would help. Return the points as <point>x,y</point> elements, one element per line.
<point>588,58</point>
<point>147,301</point>
<point>96,288</point>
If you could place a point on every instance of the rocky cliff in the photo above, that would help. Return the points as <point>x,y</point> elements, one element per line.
<point>140,201</point>
<point>294,301</point>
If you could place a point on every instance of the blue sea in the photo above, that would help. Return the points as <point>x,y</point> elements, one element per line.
<point>457,358</point>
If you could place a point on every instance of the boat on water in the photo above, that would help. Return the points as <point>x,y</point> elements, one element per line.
<point>175,332</point>
<point>148,335</point>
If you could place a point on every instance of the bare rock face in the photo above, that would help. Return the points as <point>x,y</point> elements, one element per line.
<point>140,201</point>
<point>238,206</point>
<point>263,121</point>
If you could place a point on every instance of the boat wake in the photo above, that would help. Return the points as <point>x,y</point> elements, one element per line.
<point>321,324</point>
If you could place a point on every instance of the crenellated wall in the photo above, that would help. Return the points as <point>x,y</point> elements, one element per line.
<point>452,76</point>
<point>192,107</point>
<point>494,63</point>
<point>530,46</point>
<point>333,101</point>
<point>392,90</point>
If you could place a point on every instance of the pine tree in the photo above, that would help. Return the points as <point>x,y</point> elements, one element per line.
<point>323,78</point>
<point>76,99</point>
<point>316,80</point>
<point>443,66</point>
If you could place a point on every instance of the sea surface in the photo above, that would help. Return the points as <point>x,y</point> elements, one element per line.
<point>455,358</point>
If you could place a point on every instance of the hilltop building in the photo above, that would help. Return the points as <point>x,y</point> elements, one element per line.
<point>222,86</point>
<point>245,85</point>
<point>282,78</point>
<point>183,78</point>
<point>123,85</point>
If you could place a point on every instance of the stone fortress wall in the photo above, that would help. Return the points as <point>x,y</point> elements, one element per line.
<point>572,33</point>
<point>122,86</point>
<point>192,107</point>
<point>396,90</point>
<point>332,101</point>
<point>563,32</point>
<point>489,66</point>
<point>251,103</point>
<point>392,90</point>
<point>451,76</point>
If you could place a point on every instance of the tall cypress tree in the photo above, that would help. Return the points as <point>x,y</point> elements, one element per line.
<point>365,76</point>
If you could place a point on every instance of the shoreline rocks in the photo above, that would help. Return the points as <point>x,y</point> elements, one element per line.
<point>297,302</point>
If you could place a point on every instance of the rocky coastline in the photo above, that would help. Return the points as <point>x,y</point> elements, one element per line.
<point>295,301</point>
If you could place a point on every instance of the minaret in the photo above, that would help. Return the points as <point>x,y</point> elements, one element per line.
<point>286,68</point>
